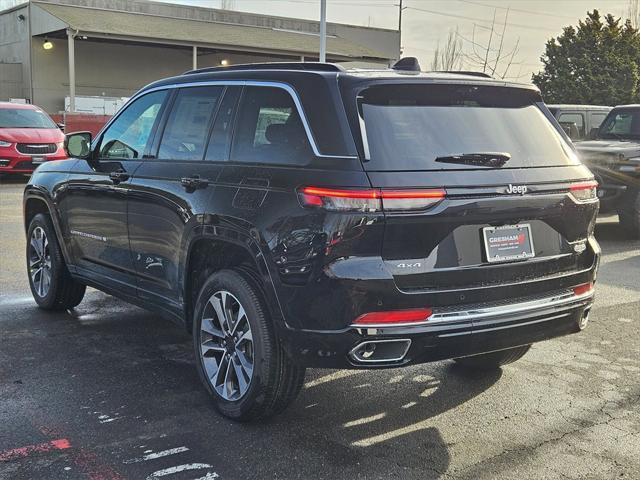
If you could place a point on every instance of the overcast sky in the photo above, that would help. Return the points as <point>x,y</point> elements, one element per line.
<point>427,21</point>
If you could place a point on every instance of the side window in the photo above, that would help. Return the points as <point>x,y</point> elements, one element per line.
<point>269,129</point>
<point>573,123</point>
<point>185,134</point>
<point>127,136</point>
<point>221,134</point>
<point>597,119</point>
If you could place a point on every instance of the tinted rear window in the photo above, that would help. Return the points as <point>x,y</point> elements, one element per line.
<point>416,127</point>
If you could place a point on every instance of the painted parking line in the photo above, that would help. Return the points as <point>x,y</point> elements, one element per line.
<point>153,456</point>
<point>182,468</point>
<point>60,444</point>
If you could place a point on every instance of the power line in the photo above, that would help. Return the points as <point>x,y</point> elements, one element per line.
<point>521,10</point>
<point>483,20</point>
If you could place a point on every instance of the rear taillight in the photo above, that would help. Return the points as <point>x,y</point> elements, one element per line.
<point>370,200</point>
<point>582,289</point>
<point>584,191</point>
<point>397,200</point>
<point>416,315</point>
<point>341,200</point>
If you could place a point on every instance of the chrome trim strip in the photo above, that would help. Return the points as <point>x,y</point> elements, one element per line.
<point>353,357</point>
<point>365,139</point>
<point>557,302</point>
<point>252,83</point>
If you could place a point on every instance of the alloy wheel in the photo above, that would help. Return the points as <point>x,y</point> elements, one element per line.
<point>40,262</point>
<point>226,345</point>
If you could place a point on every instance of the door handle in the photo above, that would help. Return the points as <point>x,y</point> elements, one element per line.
<point>194,182</point>
<point>119,176</point>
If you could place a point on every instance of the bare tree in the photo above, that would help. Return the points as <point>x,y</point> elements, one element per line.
<point>633,12</point>
<point>449,57</point>
<point>493,57</point>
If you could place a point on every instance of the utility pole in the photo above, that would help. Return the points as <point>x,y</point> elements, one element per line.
<point>323,30</point>
<point>400,9</point>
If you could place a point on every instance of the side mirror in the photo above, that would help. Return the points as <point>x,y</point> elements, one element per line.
<point>61,126</point>
<point>593,134</point>
<point>78,144</point>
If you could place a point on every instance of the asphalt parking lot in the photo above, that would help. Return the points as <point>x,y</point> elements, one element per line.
<point>110,391</point>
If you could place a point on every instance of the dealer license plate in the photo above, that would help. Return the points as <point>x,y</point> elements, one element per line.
<point>508,243</point>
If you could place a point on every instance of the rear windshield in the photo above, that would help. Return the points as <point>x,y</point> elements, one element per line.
<point>445,127</point>
<point>24,118</point>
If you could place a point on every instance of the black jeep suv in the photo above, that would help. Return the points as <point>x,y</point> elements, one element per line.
<point>301,215</point>
<point>614,158</point>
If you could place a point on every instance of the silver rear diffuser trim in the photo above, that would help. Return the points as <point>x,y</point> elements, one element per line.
<point>540,306</point>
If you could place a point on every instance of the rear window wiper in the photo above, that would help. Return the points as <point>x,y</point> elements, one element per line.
<point>479,159</point>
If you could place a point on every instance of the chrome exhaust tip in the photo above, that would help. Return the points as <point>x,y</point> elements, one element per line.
<point>380,351</point>
<point>584,320</point>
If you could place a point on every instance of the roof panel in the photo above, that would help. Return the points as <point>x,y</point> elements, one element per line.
<point>129,24</point>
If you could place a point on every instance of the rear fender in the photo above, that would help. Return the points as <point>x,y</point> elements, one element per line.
<point>261,274</point>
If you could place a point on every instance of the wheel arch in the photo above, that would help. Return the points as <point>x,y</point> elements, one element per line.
<point>210,249</point>
<point>36,201</point>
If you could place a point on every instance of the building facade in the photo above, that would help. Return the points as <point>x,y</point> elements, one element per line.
<point>66,52</point>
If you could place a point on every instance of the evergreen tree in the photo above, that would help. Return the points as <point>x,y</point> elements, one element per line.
<point>597,63</point>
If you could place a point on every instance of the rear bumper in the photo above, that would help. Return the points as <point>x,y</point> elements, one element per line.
<point>448,333</point>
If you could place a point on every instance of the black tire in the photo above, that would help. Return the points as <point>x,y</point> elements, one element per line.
<point>63,291</point>
<point>275,380</point>
<point>629,212</point>
<point>493,360</point>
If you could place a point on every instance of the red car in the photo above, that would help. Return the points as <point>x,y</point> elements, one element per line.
<point>28,137</point>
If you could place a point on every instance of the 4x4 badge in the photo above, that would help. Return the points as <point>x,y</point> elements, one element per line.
<point>516,189</point>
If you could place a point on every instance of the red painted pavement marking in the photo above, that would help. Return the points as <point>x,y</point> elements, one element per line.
<point>22,452</point>
<point>87,462</point>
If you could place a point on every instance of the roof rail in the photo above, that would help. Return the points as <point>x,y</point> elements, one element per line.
<point>465,72</point>
<point>305,66</point>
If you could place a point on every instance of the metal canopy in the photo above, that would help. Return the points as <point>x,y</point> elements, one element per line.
<point>180,31</point>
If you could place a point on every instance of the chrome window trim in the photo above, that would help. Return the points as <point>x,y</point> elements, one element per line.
<point>365,139</point>
<point>248,83</point>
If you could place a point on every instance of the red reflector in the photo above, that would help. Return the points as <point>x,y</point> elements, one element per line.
<point>394,317</point>
<point>584,288</point>
<point>583,185</point>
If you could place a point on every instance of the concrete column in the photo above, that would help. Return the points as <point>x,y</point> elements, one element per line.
<point>323,30</point>
<point>72,70</point>
<point>195,57</point>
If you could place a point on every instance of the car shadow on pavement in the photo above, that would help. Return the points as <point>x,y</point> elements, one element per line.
<point>377,421</point>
